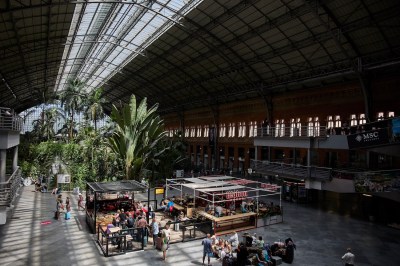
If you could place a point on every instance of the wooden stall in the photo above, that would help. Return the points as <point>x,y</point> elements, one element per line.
<point>103,199</point>
<point>230,203</point>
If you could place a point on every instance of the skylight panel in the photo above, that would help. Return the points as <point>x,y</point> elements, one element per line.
<point>104,37</point>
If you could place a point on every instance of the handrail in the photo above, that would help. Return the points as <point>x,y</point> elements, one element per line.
<point>9,120</point>
<point>9,189</point>
<point>303,131</point>
<point>292,170</point>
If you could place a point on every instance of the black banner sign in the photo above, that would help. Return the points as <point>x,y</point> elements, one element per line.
<point>368,138</point>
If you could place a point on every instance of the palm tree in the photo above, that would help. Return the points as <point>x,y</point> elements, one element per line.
<point>43,127</point>
<point>138,132</point>
<point>72,100</point>
<point>94,109</point>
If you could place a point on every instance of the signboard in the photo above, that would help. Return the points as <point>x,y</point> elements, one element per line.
<point>159,190</point>
<point>179,173</point>
<point>63,179</point>
<point>368,138</point>
<point>270,187</point>
<point>236,195</point>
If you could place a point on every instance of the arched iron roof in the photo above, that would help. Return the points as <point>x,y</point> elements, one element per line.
<point>206,52</point>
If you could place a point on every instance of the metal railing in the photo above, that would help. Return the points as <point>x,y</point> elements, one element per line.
<point>292,170</point>
<point>304,131</point>
<point>9,189</point>
<point>9,120</point>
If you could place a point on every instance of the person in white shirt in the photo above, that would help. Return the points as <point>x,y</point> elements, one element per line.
<point>348,258</point>
<point>218,211</point>
<point>234,240</point>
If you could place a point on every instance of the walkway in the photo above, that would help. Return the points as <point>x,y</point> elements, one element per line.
<point>321,239</point>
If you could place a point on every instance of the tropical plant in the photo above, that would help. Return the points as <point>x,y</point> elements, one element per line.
<point>94,109</point>
<point>72,100</point>
<point>43,128</point>
<point>137,135</point>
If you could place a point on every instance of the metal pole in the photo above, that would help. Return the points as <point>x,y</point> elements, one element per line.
<point>166,188</point>
<point>194,198</point>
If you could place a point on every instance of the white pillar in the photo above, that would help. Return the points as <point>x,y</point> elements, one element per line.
<point>15,159</point>
<point>3,157</point>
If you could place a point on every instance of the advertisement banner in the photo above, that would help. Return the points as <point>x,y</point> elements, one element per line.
<point>368,138</point>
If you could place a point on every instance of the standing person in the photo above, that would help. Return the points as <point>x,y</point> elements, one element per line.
<point>59,207</point>
<point>165,234</point>
<point>141,224</point>
<point>68,210</point>
<point>80,202</point>
<point>207,250</point>
<point>348,258</point>
<point>155,230</point>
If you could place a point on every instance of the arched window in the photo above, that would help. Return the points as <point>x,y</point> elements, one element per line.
<point>199,131</point>
<point>205,131</point>
<point>251,129</point>
<point>317,127</point>
<point>330,122</point>
<point>362,119</point>
<point>353,120</point>
<point>380,116</point>
<point>338,122</point>
<point>222,130</point>
<point>282,128</point>
<point>298,127</point>
<point>292,127</point>
<point>310,127</point>
<point>277,128</point>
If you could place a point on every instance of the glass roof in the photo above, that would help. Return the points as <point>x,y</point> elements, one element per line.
<point>106,35</point>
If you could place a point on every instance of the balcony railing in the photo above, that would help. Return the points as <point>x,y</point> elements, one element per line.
<point>8,189</point>
<point>292,170</point>
<point>304,131</point>
<point>9,120</point>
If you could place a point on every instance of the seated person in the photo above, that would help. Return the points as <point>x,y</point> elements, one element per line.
<point>217,246</point>
<point>259,243</point>
<point>218,211</point>
<point>234,239</point>
<point>226,250</point>
<point>108,231</point>
<point>243,207</point>
<point>170,206</point>
<point>262,258</point>
<point>163,206</point>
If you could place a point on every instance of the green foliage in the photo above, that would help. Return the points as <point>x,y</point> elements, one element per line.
<point>139,130</point>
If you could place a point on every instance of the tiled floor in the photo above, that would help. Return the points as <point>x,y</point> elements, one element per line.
<point>321,239</point>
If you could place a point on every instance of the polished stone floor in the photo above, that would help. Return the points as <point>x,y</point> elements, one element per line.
<point>321,238</point>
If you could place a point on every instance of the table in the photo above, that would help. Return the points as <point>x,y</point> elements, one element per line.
<point>190,228</point>
<point>114,230</point>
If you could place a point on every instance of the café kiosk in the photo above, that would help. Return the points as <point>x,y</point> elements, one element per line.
<point>105,198</point>
<point>225,190</point>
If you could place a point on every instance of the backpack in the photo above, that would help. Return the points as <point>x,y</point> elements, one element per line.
<point>131,222</point>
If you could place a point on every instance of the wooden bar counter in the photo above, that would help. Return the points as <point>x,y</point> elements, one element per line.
<point>227,224</point>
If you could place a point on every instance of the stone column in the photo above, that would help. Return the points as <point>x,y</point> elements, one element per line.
<point>15,158</point>
<point>3,157</point>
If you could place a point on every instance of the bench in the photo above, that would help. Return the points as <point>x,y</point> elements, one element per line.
<point>276,260</point>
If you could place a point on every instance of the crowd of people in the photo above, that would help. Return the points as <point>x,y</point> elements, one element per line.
<point>254,251</point>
